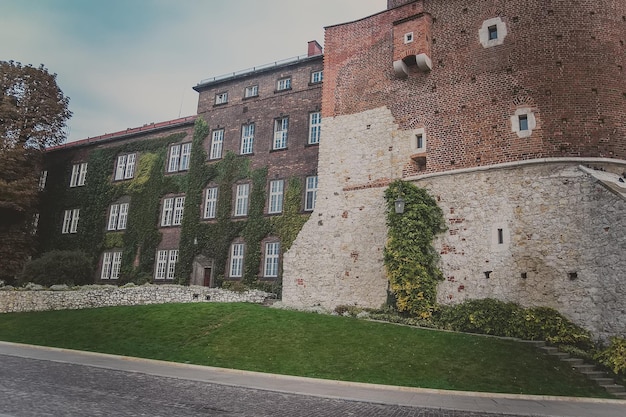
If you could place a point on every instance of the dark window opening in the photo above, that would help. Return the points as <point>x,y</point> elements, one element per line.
<point>493,32</point>
<point>523,122</point>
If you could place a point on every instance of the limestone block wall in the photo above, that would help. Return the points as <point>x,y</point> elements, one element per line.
<point>93,296</point>
<point>546,232</point>
<point>338,256</point>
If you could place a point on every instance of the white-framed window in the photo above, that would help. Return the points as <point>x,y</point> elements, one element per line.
<point>315,127</point>
<point>79,174</point>
<point>272,255</point>
<point>283,84</point>
<point>42,180</point>
<point>125,166</point>
<point>408,37</point>
<point>221,98</point>
<point>111,263</point>
<point>241,200</point>
<point>523,122</point>
<point>247,139</point>
<point>236,260</point>
<point>210,203</point>
<point>166,264</point>
<point>179,157</point>
<point>418,144</point>
<point>281,126</point>
<point>276,196</point>
<point>310,193</point>
<point>70,221</point>
<point>317,77</point>
<point>118,216</point>
<point>217,144</point>
<point>172,213</point>
<point>251,91</point>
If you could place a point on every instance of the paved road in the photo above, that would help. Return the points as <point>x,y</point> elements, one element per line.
<point>54,382</point>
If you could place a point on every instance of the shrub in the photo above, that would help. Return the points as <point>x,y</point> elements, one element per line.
<point>489,316</point>
<point>614,356</point>
<point>58,267</point>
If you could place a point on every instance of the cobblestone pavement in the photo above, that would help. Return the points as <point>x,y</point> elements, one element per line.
<point>30,387</point>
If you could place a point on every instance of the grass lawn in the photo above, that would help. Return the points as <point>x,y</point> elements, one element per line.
<point>256,338</point>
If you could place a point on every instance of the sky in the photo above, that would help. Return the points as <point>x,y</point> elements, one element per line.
<point>126,63</point>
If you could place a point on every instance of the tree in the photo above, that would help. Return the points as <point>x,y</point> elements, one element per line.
<point>33,115</point>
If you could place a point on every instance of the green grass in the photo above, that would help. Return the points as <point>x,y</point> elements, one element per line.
<point>256,338</point>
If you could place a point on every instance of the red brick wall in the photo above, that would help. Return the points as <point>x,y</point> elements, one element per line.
<point>299,159</point>
<point>565,60</point>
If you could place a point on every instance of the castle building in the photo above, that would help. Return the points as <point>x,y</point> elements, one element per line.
<point>136,202</point>
<point>512,115</point>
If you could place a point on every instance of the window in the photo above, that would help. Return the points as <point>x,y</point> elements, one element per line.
<point>272,254</point>
<point>217,144</point>
<point>179,157</point>
<point>35,224</point>
<point>492,32</point>
<point>79,173</point>
<point>241,202</point>
<point>315,127</point>
<point>500,236</point>
<point>70,221</point>
<point>247,139</point>
<point>125,166</point>
<point>221,98</point>
<point>284,84</point>
<point>118,216</point>
<point>42,180</point>
<point>166,264</point>
<point>251,91</point>
<point>236,260</point>
<point>280,133</point>
<point>172,214</point>
<point>408,37</point>
<point>311,193</point>
<point>111,263</point>
<point>317,77</point>
<point>210,203</point>
<point>276,196</point>
<point>523,122</point>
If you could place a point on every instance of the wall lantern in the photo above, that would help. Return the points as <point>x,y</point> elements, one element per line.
<point>399,204</point>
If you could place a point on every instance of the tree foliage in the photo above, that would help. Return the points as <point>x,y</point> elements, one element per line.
<point>33,113</point>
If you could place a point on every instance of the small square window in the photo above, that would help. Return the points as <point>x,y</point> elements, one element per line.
<point>221,98</point>
<point>523,122</point>
<point>408,37</point>
<point>493,32</point>
<point>251,91</point>
<point>317,77</point>
<point>284,84</point>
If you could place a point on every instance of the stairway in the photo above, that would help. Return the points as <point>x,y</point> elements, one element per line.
<point>590,371</point>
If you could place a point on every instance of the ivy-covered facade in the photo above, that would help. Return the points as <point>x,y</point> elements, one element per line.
<point>213,199</point>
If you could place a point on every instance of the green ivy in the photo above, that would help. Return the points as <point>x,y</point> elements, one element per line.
<point>409,256</point>
<point>139,242</point>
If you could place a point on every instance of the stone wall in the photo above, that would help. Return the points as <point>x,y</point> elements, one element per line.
<point>562,232</point>
<point>93,296</point>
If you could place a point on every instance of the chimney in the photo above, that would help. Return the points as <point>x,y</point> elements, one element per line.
<point>314,48</point>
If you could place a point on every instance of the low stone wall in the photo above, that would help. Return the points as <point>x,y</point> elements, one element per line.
<point>93,296</point>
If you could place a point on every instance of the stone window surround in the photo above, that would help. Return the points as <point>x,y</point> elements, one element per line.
<point>483,33</point>
<point>531,119</point>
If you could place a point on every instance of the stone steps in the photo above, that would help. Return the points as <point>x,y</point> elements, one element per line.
<point>590,371</point>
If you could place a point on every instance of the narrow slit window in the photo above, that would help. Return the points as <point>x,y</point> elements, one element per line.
<point>500,236</point>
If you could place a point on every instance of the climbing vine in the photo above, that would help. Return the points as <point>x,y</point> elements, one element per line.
<point>410,258</point>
